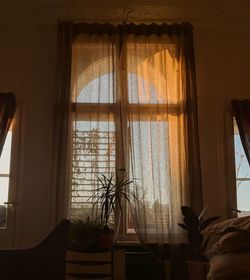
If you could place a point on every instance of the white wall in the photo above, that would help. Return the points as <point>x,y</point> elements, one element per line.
<point>27,67</point>
<point>222,70</point>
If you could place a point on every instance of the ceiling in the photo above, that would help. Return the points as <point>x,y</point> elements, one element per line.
<point>122,10</point>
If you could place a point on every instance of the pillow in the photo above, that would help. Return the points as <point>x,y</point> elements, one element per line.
<point>230,266</point>
<point>215,232</point>
<point>232,242</point>
<point>242,223</point>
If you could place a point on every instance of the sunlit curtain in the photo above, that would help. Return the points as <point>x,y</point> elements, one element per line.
<point>162,121</point>
<point>7,112</point>
<point>241,109</point>
<point>134,96</point>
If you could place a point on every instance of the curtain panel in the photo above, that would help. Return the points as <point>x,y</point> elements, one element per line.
<point>135,112</point>
<point>7,112</point>
<point>62,124</point>
<point>241,110</point>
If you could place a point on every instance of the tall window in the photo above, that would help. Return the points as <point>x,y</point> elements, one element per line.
<point>130,116</point>
<point>242,172</point>
<point>7,111</point>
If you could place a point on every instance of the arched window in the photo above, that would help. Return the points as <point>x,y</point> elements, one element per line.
<point>130,117</point>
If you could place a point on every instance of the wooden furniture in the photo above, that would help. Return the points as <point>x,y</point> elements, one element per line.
<point>167,270</point>
<point>44,261</point>
<point>108,265</point>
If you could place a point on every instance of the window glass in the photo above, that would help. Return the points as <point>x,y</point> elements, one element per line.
<point>90,93</point>
<point>242,172</point>
<point>93,154</point>
<point>4,178</point>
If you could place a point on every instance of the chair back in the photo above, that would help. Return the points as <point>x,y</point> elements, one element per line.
<point>44,261</point>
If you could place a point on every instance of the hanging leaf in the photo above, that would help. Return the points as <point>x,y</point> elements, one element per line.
<point>183,226</point>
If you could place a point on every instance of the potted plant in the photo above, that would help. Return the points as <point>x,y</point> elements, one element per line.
<point>84,235</point>
<point>96,232</point>
<point>108,200</point>
<point>194,225</point>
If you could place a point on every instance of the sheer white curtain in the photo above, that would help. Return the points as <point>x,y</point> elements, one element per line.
<point>157,126</point>
<point>132,99</point>
<point>94,94</point>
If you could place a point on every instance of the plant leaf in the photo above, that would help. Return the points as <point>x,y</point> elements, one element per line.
<point>183,226</point>
<point>203,212</point>
<point>190,218</point>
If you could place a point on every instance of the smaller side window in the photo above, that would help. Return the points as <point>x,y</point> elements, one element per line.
<point>4,178</point>
<point>242,172</point>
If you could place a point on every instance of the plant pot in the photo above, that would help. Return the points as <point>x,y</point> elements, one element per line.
<point>106,240</point>
<point>86,243</point>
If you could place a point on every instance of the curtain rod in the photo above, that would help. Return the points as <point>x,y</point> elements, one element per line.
<point>137,29</point>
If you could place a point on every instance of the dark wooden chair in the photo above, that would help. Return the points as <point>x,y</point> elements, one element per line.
<point>46,261</point>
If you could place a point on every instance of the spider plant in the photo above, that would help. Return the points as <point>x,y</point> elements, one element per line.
<point>109,196</point>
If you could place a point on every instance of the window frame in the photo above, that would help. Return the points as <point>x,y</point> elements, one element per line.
<point>238,179</point>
